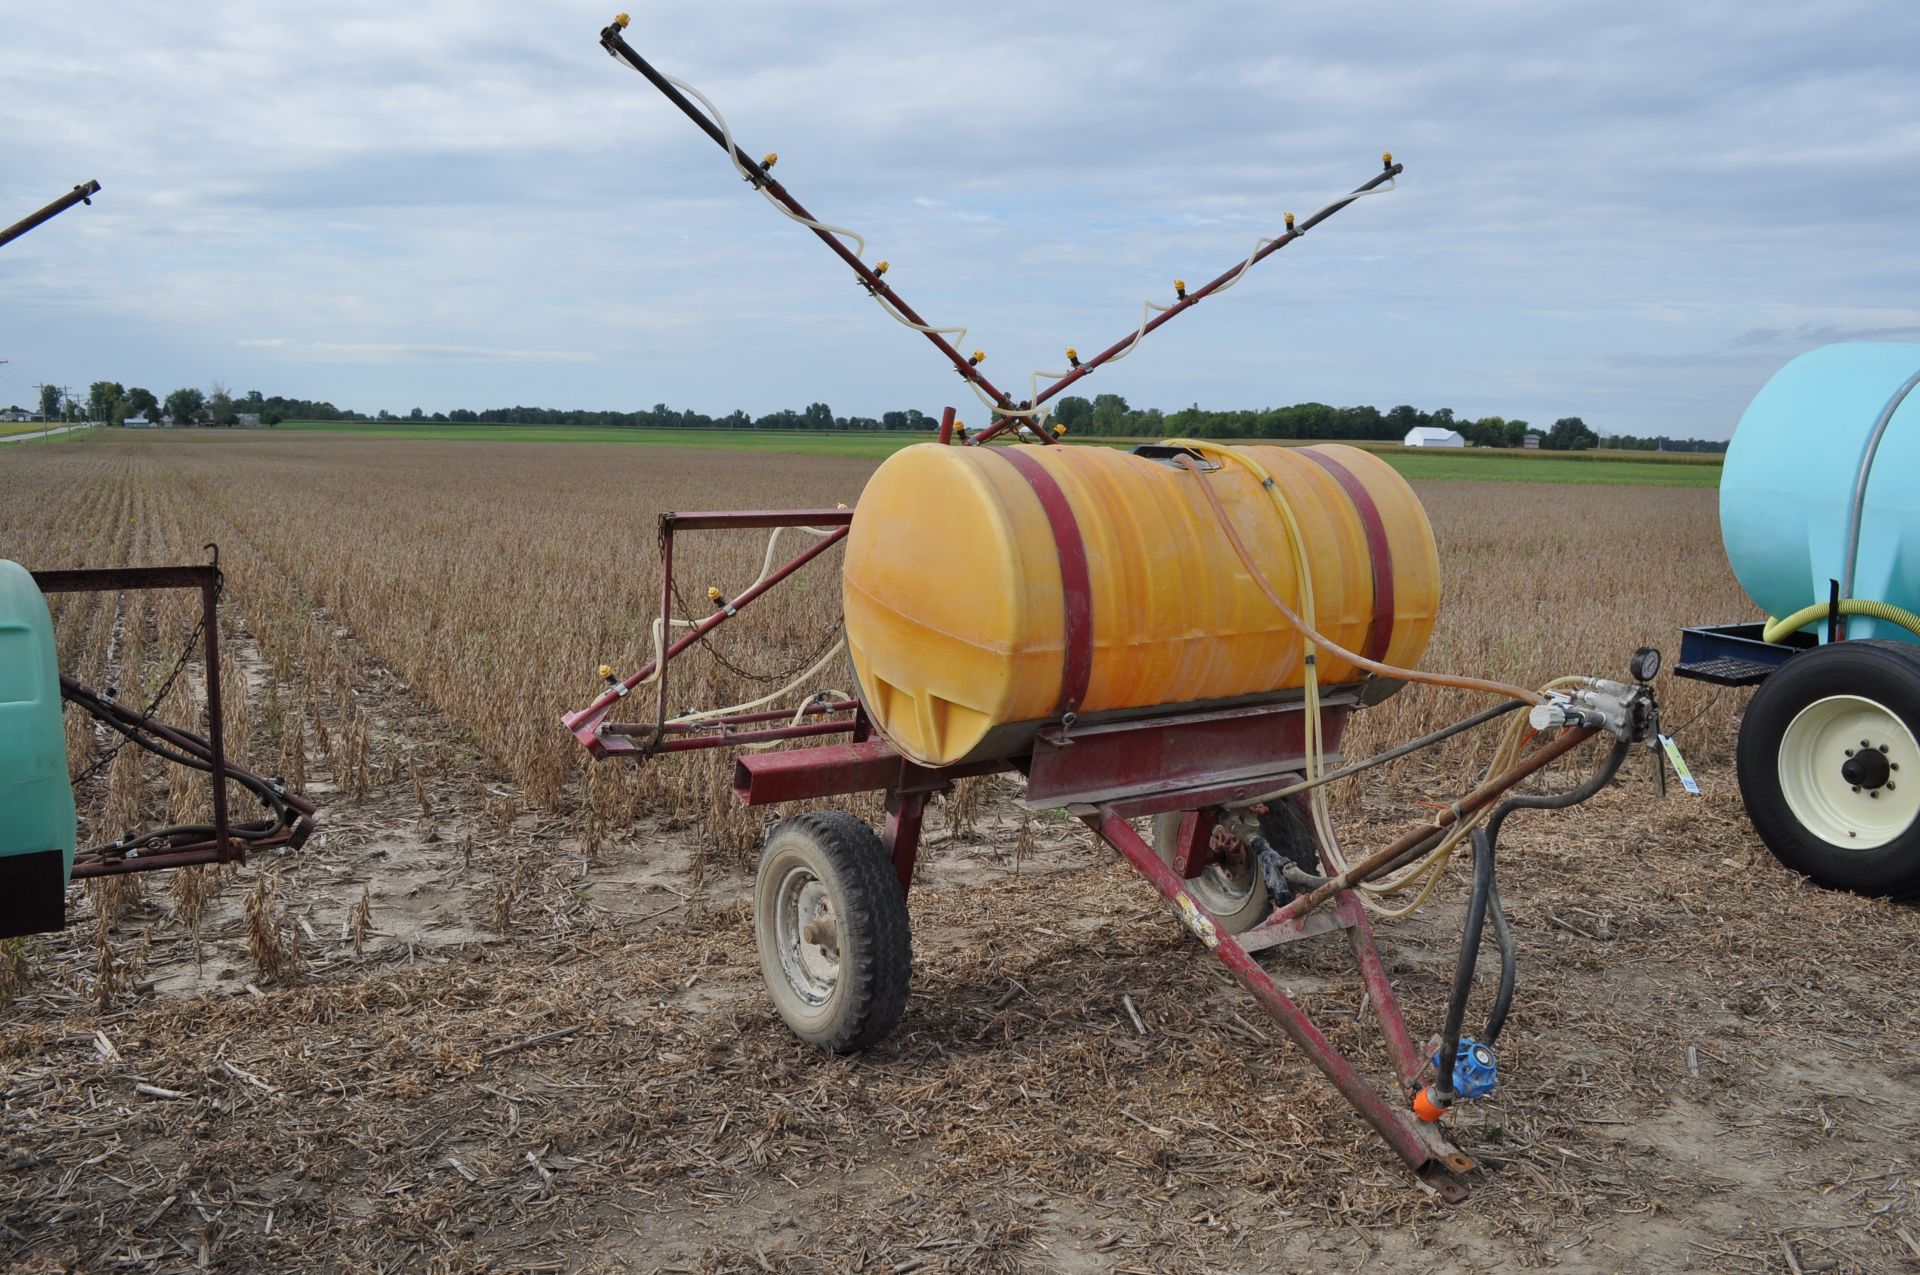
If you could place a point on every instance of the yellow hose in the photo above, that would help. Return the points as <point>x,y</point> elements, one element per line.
<point>1431,868</point>
<point>1214,451</point>
<point>1780,630</point>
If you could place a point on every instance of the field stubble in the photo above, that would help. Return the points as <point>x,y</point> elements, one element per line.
<point>405,622</point>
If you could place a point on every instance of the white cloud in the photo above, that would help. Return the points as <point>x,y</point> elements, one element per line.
<point>1618,212</point>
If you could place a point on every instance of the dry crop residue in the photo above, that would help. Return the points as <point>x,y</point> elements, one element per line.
<point>516,1022</point>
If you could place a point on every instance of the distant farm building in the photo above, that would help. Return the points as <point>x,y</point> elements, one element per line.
<point>1434,436</point>
<point>137,422</point>
<point>1531,442</point>
<point>249,420</point>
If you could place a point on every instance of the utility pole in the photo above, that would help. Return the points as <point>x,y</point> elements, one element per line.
<point>46,422</point>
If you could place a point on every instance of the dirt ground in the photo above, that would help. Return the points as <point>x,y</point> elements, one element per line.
<point>490,1047</point>
<point>1710,1068</point>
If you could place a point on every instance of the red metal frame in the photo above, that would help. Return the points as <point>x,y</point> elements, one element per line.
<point>221,847</point>
<point>605,739</point>
<point>1415,1142</point>
<point>1259,745</point>
<point>1200,760</point>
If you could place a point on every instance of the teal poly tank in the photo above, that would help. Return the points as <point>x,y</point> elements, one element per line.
<point>1822,483</point>
<point>36,797</point>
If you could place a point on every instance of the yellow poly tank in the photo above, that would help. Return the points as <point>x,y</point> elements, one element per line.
<point>991,590</point>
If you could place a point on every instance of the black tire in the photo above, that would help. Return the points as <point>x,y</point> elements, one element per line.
<point>1779,749</point>
<point>843,986</point>
<point>1239,900</point>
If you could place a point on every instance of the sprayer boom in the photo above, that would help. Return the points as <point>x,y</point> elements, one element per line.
<point>81,194</point>
<point>850,247</point>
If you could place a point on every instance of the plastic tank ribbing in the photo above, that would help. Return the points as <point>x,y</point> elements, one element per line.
<point>957,591</point>
<point>1806,442</point>
<point>36,797</point>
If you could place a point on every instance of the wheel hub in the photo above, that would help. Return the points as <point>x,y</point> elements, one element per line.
<point>1841,760</point>
<point>1866,769</point>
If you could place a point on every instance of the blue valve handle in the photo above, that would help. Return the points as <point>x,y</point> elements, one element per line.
<point>1476,1073</point>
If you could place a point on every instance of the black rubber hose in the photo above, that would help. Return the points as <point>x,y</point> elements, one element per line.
<point>1411,746</point>
<point>1561,800</point>
<point>1463,966</point>
<point>1509,965</point>
<point>1485,838</point>
<point>283,815</point>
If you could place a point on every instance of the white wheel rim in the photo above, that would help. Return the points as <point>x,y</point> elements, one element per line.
<point>1221,892</point>
<point>1819,741</point>
<point>812,968</point>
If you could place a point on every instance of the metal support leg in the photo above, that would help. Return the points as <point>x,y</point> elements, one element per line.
<point>1373,975</point>
<point>1399,1128</point>
<point>904,813</point>
<point>1192,849</point>
<point>216,719</point>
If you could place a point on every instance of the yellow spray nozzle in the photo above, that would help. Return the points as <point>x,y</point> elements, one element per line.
<point>979,357</point>
<point>1386,159</point>
<point>713,594</point>
<point>1180,288</point>
<point>1289,221</point>
<point>1059,430</point>
<point>881,267</point>
<point>621,20</point>
<point>606,672</point>
<point>1073,356</point>
<point>769,159</point>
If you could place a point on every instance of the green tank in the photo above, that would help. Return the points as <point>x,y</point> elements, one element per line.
<point>37,828</point>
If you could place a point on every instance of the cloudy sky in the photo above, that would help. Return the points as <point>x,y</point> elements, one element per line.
<point>1629,212</point>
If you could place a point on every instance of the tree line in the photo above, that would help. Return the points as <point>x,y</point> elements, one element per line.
<point>111,403</point>
<point>1104,415</point>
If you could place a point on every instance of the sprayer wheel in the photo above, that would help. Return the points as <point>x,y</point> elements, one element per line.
<point>830,921</point>
<point>1829,766</point>
<point>1235,894</point>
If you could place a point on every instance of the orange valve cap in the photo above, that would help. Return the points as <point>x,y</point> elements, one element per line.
<point>1425,1107</point>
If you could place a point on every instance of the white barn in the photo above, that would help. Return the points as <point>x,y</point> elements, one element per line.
<point>1434,436</point>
